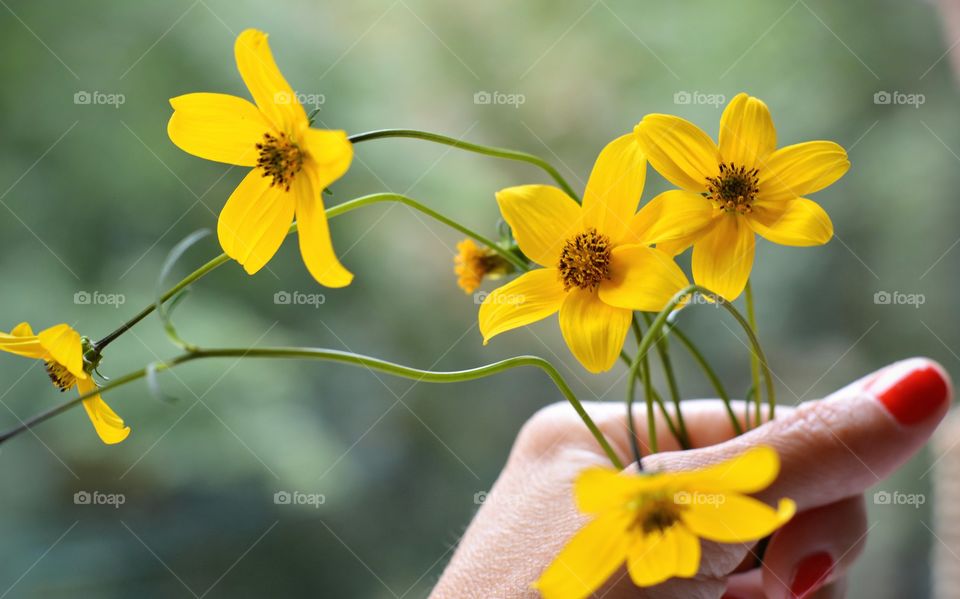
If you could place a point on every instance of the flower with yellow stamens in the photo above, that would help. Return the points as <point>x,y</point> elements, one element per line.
<point>61,348</point>
<point>654,522</point>
<point>598,266</point>
<point>292,163</point>
<point>745,184</point>
<point>474,263</point>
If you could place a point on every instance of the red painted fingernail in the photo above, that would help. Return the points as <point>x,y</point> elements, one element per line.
<point>911,391</point>
<point>729,596</point>
<point>810,575</point>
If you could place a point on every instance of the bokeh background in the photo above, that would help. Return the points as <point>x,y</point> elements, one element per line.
<point>93,195</point>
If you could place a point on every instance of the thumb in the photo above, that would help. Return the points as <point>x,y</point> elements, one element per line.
<point>840,446</point>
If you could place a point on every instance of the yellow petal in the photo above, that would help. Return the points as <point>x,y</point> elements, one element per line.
<point>733,518</point>
<point>801,169</point>
<point>723,259</point>
<point>747,135</point>
<point>671,216</point>
<point>749,472</point>
<point>799,222</point>
<point>64,346</point>
<point>329,155</point>
<point>108,425</point>
<point>614,188</point>
<point>313,230</point>
<point>269,89</point>
<point>255,220</point>
<point>594,331</point>
<point>217,127</point>
<point>542,219</point>
<point>678,150</point>
<point>530,297</point>
<point>641,278</point>
<point>588,560</point>
<point>602,489</point>
<point>678,246</point>
<point>22,342</point>
<point>659,556</point>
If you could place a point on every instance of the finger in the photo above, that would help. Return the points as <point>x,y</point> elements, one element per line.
<point>749,585</point>
<point>814,549</point>
<point>840,446</point>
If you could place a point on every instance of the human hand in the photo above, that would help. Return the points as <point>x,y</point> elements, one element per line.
<point>831,451</point>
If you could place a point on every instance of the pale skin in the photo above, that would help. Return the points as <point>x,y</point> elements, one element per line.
<point>832,451</point>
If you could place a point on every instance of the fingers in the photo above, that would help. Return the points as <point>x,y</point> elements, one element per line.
<point>750,586</point>
<point>814,549</point>
<point>840,446</point>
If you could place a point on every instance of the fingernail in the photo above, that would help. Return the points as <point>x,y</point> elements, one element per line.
<point>810,575</point>
<point>911,391</point>
<point>729,596</point>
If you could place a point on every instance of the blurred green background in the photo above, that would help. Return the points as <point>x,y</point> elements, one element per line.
<point>94,195</point>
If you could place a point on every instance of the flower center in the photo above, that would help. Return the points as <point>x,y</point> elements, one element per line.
<point>280,158</point>
<point>734,189</point>
<point>585,260</point>
<point>657,515</point>
<point>62,378</point>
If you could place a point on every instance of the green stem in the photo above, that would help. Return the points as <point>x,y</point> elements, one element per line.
<point>331,213</point>
<point>661,319</point>
<point>470,147</point>
<point>754,360</point>
<point>344,358</point>
<point>663,351</point>
<point>711,376</point>
<point>626,359</point>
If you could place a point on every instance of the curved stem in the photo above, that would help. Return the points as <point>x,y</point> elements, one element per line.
<point>331,355</point>
<point>661,320</point>
<point>663,351</point>
<point>332,212</point>
<point>470,147</point>
<point>711,376</point>
<point>754,365</point>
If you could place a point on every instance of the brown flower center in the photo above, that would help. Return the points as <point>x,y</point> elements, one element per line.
<point>62,378</point>
<point>280,158</point>
<point>734,189</point>
<point>657,514</point>
<point>585,260</point>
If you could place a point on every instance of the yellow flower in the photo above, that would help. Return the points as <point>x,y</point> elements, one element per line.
<point>749,187</point>
<point>653,522</point>
<point>597,263</point>
<point>472,263</point>
<point>292,163</point>
<point>61,349</point>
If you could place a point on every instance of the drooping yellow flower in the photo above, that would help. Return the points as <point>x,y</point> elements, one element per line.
<point>61,349</point>
<point>597,262</point>
<point>746,184</point>
<point>292,163</point>
<point>474,263</point>
<point>654,522</point>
